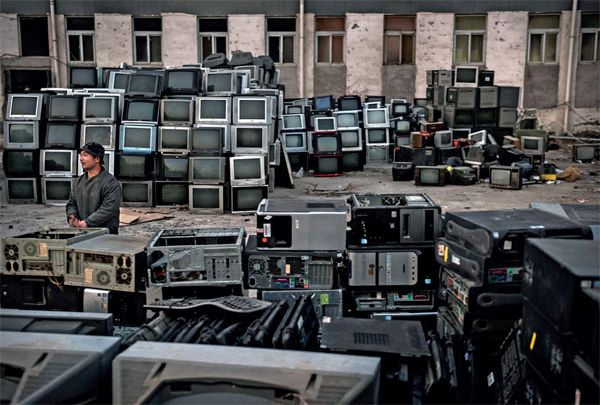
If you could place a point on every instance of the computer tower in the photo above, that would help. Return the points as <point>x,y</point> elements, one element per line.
<point>461,97</point>
<point>39,293</point>
<point>444,78</point>
<point>485,78</point>
<point>439,95</point>
<point>488,97</point>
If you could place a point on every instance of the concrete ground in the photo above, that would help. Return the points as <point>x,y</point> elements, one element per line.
<point>19,219</point>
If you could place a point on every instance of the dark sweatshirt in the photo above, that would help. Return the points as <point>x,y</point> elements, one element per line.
<point>96,201</point>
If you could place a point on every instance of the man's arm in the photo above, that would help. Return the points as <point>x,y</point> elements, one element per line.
<point>71,208</point>
<point>111,201</point>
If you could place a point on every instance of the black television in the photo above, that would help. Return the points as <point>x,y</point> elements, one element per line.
<point>145,110</point>
<point>351,140</point>
<point>135,193</point>
<point>485,117</point>
<point>82,77</point>
<point>130,166</point>
<point>177,111</point>
<point>400,109</point>
<point>209,140</point>
<point>20,163</point>
<point>459,117</point>
<point>245,199</point>
<point>327,166</point>
<point>327,143</point>
<point>144,84</point>
<point>22,190</point>
<point>352,161</point>
<point>170,193</point>
<point>173,167</point>
<point>186,81</point>
<point>62,135</point>
<point>349,103</point>
<point>206,199</point>
<point>63,108</point>
<point>56,190</point>
<point>323,103</point>
<point>375,99</point>
<point>506,177</point>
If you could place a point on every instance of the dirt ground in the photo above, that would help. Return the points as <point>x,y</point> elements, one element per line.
<point>19,219</point>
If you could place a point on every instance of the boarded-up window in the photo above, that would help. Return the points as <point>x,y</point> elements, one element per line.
<point>330,39</point>
<point>399,37</point>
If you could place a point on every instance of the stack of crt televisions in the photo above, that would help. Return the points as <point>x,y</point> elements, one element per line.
<point>376,123</point>
<point>390,241</point>
<point>288,260</point>
<point>324,140</point>
<point>482,275</point>
<point>23,130</point>
<point>349,119</point>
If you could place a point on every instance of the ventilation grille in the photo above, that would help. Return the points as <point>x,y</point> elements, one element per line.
<point>375,339</point>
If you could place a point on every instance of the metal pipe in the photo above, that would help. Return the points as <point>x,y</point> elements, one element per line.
<point>301,52</point>
<point>54,53</point>
<point>570,67</point>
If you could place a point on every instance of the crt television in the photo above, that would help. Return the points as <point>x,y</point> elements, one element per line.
<point>104,134</point>
<point>62,135</point>
<point>323,103</point>
<point>177,111</point>
<point>141,110</point>
<point>213,110</point>
<point>21,134</point>
<point>506,177</point>
<point>466,76</point>
<point>252,110</point>
<point>56,191</point>
<point>293,122</point>
<point>376,118</point>
<point>22,190</point>
<point>351,140</point>
<point>134,167</point>
<point>24,107</point>
<point>479,137</point>
<point>294,109</point>
<point>83,77</point>
<point>144,84</point>
<point>100,109</point>
<point>117,80</point>
<point>20,162</point>
<point>206,199</point>
<point>174,167</point>
<point>347,119</point>
<point>247,170</point>
<point>327,143</point>
<point>249,138</point>
<point>442,139</point>
<point>327,166</point>
<point>64,108</point>
<point>220,82</point>
<point>186,81</point>
<point>376,136</point>
<point>207,170</point>
<point>400,109</point>
<point>349,103</point>
<point>169,193</point>
<point>294,141</point>
<point>135,193</point>
<point>174,139</point>
<point>402,126</point>
<point>245,199</point>
<point>58,162</point>
<point>137,138</point>
<point>532,145</point>
<point>586,152</point>
<point>431,175</point>
<point>209,139</point>
<point>325,124</point>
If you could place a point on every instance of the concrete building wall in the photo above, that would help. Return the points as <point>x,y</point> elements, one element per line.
<point>330,79</point>
<point>433,47</point>
<point>540,89</point>
<point>364,54</point>
<point>398,81</point>
<point>114,39</point>
<point>9,36</point>
<point>309,55</point>
<point>246,33</point>
<point>179,39</point>
<point>288,76</point>
<point>61,39</point>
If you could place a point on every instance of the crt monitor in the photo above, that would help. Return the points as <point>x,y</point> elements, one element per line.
<point>347,119</point>
<point>220,82</point>
<point>466,76</point>
<point>443,139</point>
<point>64,108</point>
<point>22,190</point>
<point>56,191</point>
<point>137,139</point>
<point>245,199</point>
<point>430,175</point>
<point>169,193</point>
<point>141,110</point>
<point>62,135</point>
<point>291,122</point>
<point>349,103</point>
<point>213,109</point>
<point>183,81</point>
<point>327,165</point>
<point>136,193</point>
<point>82,77</point>
<point>402,126</point>
<point>486,117</point>
<point>377,154</point>
<point>351,139</point>
<point>20,163</point>
<point>174,167</point>
<point>323,103</point>
<point>375,99</point>
<point>144,84</point>
<point>294,141</point>
<point>207,170</point>
<point>323,124</point>
<point>352,161</point>
<point>21,134</point>
<point>479,137</point>
<point>104,134</point>
<point>249,139</point>
<point>294,109</point>
<point>586,152</point>
<point>247,169</point>
<point>176,111</point>
<point>209,139</point>
<point>376,117</point>
<point>128,166</point>
<point>251,110</point>
<point>377,136</point>
<point>24,107</point>
<point>506,177</point>
<point>206,199</point>
<point>532,145</point>
<point>58,162</point>
<point>400,109</point>
<point>174,139</point>
<point>327,143</point>
<point>100,109</point>
<point>117,80</point>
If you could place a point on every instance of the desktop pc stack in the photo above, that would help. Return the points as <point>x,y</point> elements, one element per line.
<point>391,267</point>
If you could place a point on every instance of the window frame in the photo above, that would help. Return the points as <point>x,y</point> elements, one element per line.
<point>281,35</point>
<point>543,32</point>
<point>330,35</point>
<point>595,31</point>
<point>470,34</point>
<point>213,36</point>
<point>401,34</point>
<point>80,34</point>
<point>147,35</point>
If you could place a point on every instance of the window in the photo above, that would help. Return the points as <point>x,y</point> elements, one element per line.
<point>543,38</point>
<point>330,39</point>
<point>399,40</point>
<point>590,43</point>
<point>147,43</point>
<point>469,39</point>
<point>33,32</point>
<point>281,33</point>
<point>213,36</point>
<point>80,39</point>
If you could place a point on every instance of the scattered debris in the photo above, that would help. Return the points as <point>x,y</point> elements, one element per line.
<point>571,173</point>
<point>331,190</point>
<point>129,216</point>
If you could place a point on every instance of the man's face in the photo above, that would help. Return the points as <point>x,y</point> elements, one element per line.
<point>88,160</point>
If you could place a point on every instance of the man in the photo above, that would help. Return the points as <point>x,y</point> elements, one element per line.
<point>96,197</point>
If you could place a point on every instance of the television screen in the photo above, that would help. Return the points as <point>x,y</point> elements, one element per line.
<point>585,152</point>
<point>466,75</point>
<point>144,84</point>
<point>297,141</point>
<point>141,110</point>
<point>182,81</point>
<point>294,109</point>
<point>479,137</point>
<point>136,137</point>
<point>246,199</point>
<point>213,109</point>
<point>17,162</point>
<point>209,140</point>
<point>99,109</point>
<point>61,135</point>
<point>429,176</point>
<point>443,139</point>
<point>323,103</point>
<point>486,116</point>
<point>400,109</point>
<point>171,193</point>
<point>377,154</point>
<point>325,124</point>
<point>249,137</point>
<point>23,133</point>
<point>58,161</point>
<point>402,126</point>
<point>175,167</point>
<point>463,117</point>
<point>328,165</point>
<point>81,77</point>
<point>24,106</point>
<point>102,134</point>
<point>293,121</point>
<point>57,189</point>
<point>347,119</point>
<point>220,82</point>
<point>207,169</point>
<point>118,80</point>
<point>177,111</point>
<point>326,144</point>
<point>351,161</point>
<point>251,110</point>
<point>131,166</point>
<point>531,144</point>
<point>63,107</point>
<point>349,103</point>
<point>500,177</point>
<point>375,99</point>
<point>247,168</point>
<point>136,192</point>
<point>377,136</point>
<point>21,190</point>
<point>206,198</point>
<point>376,116</point>
<point>350,139</point>
<point>174,138</point>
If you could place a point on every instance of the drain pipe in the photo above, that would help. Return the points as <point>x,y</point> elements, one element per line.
<point>301,53</point>
<point>570,67</point>
<point>54,53</point>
